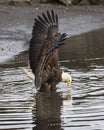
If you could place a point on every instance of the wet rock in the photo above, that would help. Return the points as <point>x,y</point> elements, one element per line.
<point>66,2</point>
<point>41,1</point>
<point>19,0</point>
<point>14,2</point>
<point>29,1</point>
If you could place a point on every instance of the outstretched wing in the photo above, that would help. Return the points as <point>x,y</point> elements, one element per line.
<point>44,30</point>
<point>45,42</point>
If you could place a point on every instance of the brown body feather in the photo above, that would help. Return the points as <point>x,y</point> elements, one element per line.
<point>43,52</point>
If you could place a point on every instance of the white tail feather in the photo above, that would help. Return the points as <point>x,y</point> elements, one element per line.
<point>28,74</point>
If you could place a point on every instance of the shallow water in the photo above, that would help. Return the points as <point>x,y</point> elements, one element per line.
<point>79,107</point>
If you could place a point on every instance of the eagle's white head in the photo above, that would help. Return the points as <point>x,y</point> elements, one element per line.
<point>67,78</point>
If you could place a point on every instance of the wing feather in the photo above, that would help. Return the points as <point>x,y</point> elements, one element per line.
<point>42,21</point>
<point>50,17</point>
<point>53,16</point>
<point>46,18</point>
<point>45,29</point>
<point>58,44</point>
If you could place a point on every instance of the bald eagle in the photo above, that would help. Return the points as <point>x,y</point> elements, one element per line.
<point>43,53</point>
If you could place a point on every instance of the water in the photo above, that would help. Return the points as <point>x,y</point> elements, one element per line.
<point>79,107</point>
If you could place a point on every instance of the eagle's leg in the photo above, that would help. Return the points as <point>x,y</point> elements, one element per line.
<point>53,86</point>
<point>45,87</point>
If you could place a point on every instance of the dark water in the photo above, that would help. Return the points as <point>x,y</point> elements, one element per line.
<point>80,107</point>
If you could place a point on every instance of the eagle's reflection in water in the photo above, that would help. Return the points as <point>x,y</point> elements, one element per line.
<point>48,111</point>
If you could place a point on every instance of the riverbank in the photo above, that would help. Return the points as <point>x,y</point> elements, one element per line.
<point>17,21</point>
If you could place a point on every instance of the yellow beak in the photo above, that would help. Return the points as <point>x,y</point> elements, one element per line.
<point>68,83</point>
